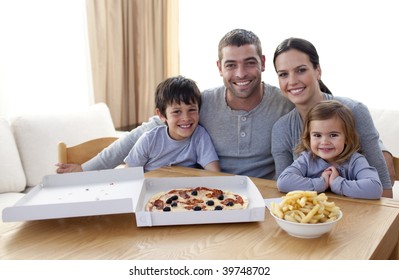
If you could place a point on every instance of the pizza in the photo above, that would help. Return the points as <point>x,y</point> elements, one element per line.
<point>196,199</point>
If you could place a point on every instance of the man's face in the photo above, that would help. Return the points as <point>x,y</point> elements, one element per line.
<point>241,69</point>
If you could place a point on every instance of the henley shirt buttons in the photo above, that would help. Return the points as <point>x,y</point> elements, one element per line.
<point>243,119</point>
<point>242,134</point>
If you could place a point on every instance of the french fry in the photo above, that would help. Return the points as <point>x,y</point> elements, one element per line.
<point>305,207</point>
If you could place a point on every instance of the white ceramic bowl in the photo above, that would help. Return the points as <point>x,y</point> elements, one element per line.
<point>306,230</point>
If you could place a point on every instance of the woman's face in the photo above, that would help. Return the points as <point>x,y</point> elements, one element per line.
<point>297,77</point>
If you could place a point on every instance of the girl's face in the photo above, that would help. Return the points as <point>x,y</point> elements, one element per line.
<point>297,77</point>
<point>327,138</point>
<point>182,119</point>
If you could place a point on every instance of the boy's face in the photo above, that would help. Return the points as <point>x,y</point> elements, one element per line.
<point>182,119</point>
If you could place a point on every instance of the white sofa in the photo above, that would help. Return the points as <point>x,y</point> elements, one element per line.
<point>387,125</point>
<point>28,148</point>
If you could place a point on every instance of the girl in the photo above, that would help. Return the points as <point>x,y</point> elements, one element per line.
<point>329,156</point>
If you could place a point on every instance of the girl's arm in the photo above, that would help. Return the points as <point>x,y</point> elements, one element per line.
<point>362,182</point>
<point>295,177</point>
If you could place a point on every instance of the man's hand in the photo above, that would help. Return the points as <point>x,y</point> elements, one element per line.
<point>68,168</point>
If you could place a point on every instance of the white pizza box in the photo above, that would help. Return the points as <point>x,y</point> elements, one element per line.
<point>125,191</point>
<point>79,194</point>
<point>238,184</point>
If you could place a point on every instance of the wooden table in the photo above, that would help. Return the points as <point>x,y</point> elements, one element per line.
<point>368,230</point>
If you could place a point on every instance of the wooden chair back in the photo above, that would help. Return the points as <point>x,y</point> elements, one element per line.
<point>396,167</point>
<point>83,152</point>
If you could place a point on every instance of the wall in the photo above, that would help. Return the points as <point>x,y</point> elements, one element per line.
<point>356,41</point>
<point>44,63</point>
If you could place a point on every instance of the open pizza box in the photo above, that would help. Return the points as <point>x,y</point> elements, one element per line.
<point>125,190</point>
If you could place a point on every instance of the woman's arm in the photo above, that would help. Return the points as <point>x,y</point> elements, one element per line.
<point>281,147</point>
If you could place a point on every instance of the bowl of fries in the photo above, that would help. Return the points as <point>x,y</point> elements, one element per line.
<point>305,214</point>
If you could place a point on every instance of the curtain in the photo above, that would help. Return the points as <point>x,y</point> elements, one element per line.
<point>134,45</point>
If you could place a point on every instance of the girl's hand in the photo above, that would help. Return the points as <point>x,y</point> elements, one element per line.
<point>334,174</point>
<point>326,176</point>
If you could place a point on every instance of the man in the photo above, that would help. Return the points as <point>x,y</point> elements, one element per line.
<point>238,116</point>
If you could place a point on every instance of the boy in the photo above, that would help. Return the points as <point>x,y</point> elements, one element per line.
<point>182,141</point>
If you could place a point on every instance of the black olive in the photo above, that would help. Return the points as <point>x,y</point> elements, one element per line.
<point>174,204</point>
<point>210,203</point>
<point>218,207</point>
<point>194,193</point>
<point>221,197</point>
<point>230,203</point>
<point>170,199</point>
<point>166,209</point>
<point>197,208</point>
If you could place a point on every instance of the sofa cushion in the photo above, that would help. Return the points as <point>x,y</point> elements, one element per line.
<point>12,177</point>
<point>37,136</point>
<point>386,123</point>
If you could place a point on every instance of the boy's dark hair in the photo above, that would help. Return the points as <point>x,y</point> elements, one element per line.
<point>176,90</point>
<point>238,38</point>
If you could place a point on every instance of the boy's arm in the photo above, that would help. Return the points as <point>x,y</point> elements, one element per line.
<point>213,166</point>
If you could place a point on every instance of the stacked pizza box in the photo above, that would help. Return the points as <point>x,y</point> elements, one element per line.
<point>125,190</point>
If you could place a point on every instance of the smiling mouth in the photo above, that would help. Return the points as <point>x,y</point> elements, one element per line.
<point>296,91</point>
<point>325,149</point>
<point>185,126</point>
<point>242,84</point>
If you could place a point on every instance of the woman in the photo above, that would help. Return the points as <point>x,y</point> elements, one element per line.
<point>299,73</point>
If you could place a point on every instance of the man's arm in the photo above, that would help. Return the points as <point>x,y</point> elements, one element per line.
<point>113,155</point>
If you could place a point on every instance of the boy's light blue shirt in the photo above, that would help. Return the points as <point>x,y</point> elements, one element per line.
<point>156,148</point>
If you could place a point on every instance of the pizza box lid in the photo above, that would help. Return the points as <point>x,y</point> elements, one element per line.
<point>125,190</point>
<point>79,194</point>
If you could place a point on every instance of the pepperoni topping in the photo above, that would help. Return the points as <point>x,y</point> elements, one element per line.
<point>158,204</point>
<point>184,194</point>
<point>239,199</point>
